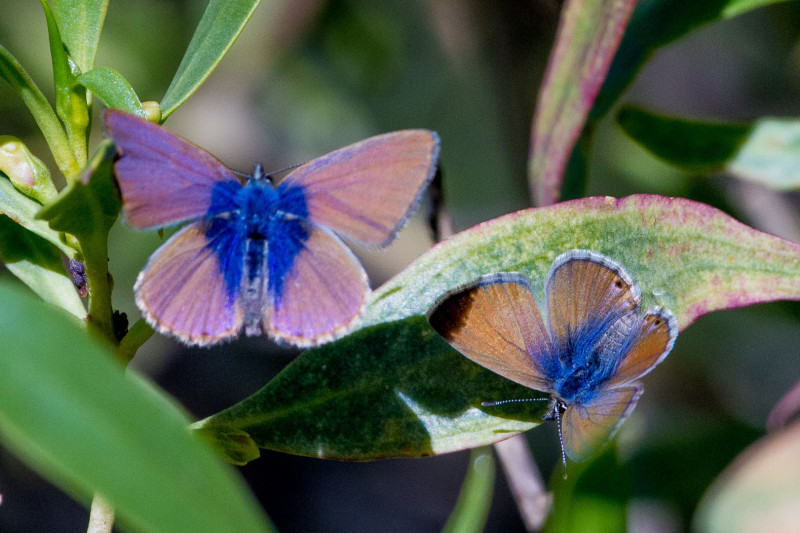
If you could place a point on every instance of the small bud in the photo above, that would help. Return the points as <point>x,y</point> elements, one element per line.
<point>153,111</point>
<point>26,171</point>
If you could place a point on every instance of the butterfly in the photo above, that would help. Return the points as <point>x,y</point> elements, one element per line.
<point>586,352</point>
<point>258,256</point>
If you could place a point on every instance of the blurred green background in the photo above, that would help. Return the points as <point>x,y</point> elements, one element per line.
<point>308,76</point>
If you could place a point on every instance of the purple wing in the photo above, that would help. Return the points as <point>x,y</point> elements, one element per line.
<point>163,178</point>
<point>586,427</point>
<point>367,190</point>
<point>495,322</point>
<point>587,291</point>
<point>317,288</point>
<point>182,291</point>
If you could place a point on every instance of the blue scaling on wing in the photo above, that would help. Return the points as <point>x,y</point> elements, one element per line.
<point>584,362</point>
<point>227,240</point>
<point>292,200</point>
<point>287,235</point>
<point>223,197</point>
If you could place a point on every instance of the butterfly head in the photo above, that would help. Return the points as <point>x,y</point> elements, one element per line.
<point>259,177</point>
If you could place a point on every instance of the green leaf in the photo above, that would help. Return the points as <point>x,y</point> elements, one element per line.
<point>221,24</point>
<point>759,491</point>
<point>394,388</point>
<point>654,24</point>
<point>692,145</point>
<point>71,105</point>
<point>76,417</point>
<point>81,22</point>
<point>475,498</point>
<point>113,89</point>
<point>88,209</point>
<point>766,151</point>
<point>37,263</point>
<point>588,36</point>
<point>43,114</point>
<point>23,211</point>
<point>90,206</point>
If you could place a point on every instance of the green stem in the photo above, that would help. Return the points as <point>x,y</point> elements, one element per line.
<point>130,343</point>
<point>100,314</point>
<point>472,507</point>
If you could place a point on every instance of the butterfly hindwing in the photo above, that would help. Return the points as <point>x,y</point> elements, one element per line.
<point>586,426</point>
<point>317,287</point>
<point>182,290</point>
<point>652,343</point>
<point>367,190</point>
<point>163,178</point>
<point>495,322</point>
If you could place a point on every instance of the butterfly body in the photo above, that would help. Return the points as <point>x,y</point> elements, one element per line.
<point>258,256</point>
<point>587,351</point>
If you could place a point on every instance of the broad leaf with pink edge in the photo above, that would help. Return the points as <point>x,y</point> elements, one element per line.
<point>393,388</point>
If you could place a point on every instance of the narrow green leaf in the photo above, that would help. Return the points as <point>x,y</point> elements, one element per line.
<point>71,105</point>
<point>766,151</point>
<point>394,388</point>
<point>81,22</point>
<point>219,27</point>
<point>43,114</point>
<point>692,145</point>
<point>75,416</point>
<point>475,498</point>
<point>113,89</point>
<point>37,263</point>
<point>23,211</point>
<point>588,36</point>
<point>759,491</point>
<point>654,24</point>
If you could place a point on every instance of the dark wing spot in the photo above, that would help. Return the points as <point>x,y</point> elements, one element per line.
<point>449,316</point>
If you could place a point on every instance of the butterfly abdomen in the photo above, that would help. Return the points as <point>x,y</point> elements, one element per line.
<point>254,294</point>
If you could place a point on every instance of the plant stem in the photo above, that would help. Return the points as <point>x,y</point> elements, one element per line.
<point>96,262</point>
<point>130,343</point>
<point>101,516</point>
<point>525,481</point>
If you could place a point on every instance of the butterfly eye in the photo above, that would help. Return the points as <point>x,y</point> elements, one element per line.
<point>618,283</point>
<point>657,322</point>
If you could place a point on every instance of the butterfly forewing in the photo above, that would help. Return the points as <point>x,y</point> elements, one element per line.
<point>585,427</point>
<point>367,190</point>
<point>588,290</point>
<point>182,290</point>
<point>496,323</point>
<point>317,293</point>
<point>653,342</point>
<point>163,178</point>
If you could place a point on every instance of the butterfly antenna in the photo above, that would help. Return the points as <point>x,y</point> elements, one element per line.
<point>561,441</point>
<point>515,400</point>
